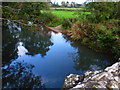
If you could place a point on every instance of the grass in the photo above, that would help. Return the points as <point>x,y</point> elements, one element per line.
<point>66,14</point>
<point>62,8</point>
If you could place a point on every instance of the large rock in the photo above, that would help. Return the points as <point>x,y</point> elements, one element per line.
<point>108,78</point>
<point>72,80</point>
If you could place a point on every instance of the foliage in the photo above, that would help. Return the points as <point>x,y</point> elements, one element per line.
<point>82,15</point>
<point>100,28</point>
<point>60,17</point>
<point>25,11</point>
<point>100,37</point>
<point>50,19</point>
<point>55,18</point>
<point>102,11</point>
<point>67,23</point>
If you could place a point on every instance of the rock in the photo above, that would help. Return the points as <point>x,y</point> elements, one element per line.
<point>117,79</point>
<point>79,86</point>
<point>112,84</point>
<point>72,80</point>
<point>108,78</point>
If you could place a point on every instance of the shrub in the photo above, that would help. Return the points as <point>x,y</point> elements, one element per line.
<point>67,23</point>
<point>102,11</point>
<point>50,19</point>
<point>100,37</point>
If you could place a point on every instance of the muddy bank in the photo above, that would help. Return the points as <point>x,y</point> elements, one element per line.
<point>56,29</point>
<point>107,78</point>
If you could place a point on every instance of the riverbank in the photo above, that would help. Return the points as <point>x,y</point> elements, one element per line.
<point>107,78</point>
<point>56,29</point>
<point>101,37</point>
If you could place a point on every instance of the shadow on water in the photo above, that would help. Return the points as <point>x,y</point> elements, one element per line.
<point>86,59</point>
<point>40,58</point>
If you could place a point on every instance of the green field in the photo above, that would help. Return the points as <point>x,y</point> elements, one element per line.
<point>60,8</point>
<point>66,14</point>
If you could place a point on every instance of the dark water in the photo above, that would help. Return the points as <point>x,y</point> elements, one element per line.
<point>42,59</point>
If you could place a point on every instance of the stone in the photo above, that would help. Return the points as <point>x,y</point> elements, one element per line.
<point>117,79</point>
<point>79,86</point>
<point>112,84</point>
<point>107,78</point>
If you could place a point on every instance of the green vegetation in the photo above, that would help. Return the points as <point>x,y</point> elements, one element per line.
<point>58,17</point>
<point>98,30</point>
<point>24,11</point>
<point>97,25</point>
<point>62,8</point>
<point>93,86</point>
<point>64,14</point>
<point>67,14</point>
<point>63,17</point>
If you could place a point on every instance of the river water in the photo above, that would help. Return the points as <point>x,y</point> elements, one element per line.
<point>42,59</point>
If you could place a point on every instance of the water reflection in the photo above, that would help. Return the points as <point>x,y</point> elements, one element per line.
<point>36,43</point>
<point>21,50</point>
<point>19,75</point>
<point>23,62</point>
<point>86,59</point>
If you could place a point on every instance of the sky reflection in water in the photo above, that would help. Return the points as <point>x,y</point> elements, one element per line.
<point>45,56</point>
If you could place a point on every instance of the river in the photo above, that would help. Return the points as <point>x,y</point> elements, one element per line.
<point>42,59</point>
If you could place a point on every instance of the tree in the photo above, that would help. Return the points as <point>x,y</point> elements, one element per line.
<point>63,3</point>
<point>72,4</point>
<point>102,11</point>
<point>24,11</point>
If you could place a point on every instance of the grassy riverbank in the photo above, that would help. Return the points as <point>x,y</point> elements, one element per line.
<point>58,17</point>
<point>102,37</point>
<point>97,29</point>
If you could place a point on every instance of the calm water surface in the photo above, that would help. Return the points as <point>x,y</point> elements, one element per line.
<point>42,59</point>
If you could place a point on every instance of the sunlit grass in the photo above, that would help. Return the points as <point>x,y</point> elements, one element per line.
<point>63,15</point>
<point>60,8</point>
<point>66,14</point>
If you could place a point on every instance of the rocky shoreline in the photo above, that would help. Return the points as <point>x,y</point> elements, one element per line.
<point>108,78</point>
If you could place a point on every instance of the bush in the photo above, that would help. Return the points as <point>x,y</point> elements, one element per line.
<point>102,11</point>
<point>100,37</point>
<point>50,19</point>
<point>67,23</point>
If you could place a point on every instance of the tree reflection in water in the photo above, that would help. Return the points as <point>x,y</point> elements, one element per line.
<point>35,42</point>
<point>19,75</point>
<point>86,59</point>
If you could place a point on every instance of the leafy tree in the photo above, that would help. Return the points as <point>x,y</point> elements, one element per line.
<point>102,11</point>
<point>63,3</point>
<point>24,11</point>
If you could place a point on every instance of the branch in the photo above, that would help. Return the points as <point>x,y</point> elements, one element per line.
<point>10,8</point>
<point>19,21</point>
